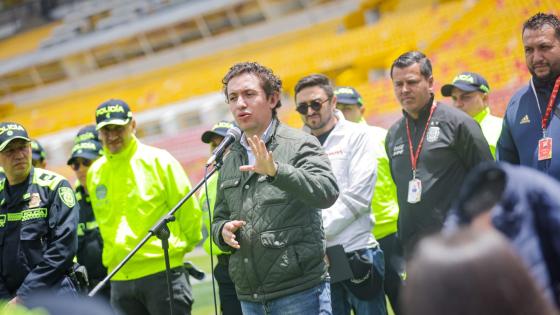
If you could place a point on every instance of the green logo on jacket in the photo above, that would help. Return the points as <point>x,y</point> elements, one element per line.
<point>101,191</point>
<point>67,196</point>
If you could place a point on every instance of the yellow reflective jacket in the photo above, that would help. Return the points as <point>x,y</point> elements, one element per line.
<point>212,186</point>
<point>491,128</point>
<point>384,204</point>
<point>129,193</point>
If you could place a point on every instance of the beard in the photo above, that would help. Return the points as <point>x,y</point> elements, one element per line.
<point>551,76</point>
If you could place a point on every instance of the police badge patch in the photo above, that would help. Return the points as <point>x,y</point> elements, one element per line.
<point>35,200</point>
<point>101,191</point>
<point>67,196</point>
<point>433,134</point>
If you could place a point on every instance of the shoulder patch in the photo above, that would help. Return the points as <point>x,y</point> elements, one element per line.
<point>67,196</point>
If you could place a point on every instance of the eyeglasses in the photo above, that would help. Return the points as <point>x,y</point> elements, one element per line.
<point>76,164</point>
<point>314,104</point>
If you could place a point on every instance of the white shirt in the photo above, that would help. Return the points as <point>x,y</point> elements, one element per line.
<point>349,222</point>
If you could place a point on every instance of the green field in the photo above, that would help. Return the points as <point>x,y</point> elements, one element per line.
<point>204,304</point>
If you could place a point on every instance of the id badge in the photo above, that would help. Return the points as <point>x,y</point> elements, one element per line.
<point>545,149</point>
<point>414,190</point>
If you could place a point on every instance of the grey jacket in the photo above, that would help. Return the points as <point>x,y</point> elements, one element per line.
<point>283,243</point>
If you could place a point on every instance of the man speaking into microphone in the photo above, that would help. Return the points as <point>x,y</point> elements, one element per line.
<point>271,188</point>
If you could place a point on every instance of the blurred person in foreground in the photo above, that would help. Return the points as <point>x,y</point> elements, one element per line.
<point>272,187</point>
<point>531,130</point>
<point>229,304</point>
<point>524,205</point>
<point>470,272</point>
<point>349,222</point>
<point>469,92</point>
<point>90,243</point>
<point>431,149</point>
<point>384,204</point>
<point>131,187</point>
<point>38,220</point>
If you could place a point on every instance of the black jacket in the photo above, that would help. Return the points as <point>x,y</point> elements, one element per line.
<point>90,243</point>
<point>38,236</point>
<point>454,144</point>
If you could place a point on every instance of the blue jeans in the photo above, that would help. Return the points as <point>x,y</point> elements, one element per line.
<point>343,300</point>
<point>316,300</point>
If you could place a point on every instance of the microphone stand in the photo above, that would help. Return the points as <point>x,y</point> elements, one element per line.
<point>161,231</point>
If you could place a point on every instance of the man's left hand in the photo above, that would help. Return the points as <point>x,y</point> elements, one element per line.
<point>264,163</point>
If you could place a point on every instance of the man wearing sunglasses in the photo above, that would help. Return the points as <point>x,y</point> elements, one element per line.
<point>272,185</point>
<point>90,243</point>
<point>348,222</point>
<point>38,219</point>
<point>431,149</point>
<point>131,187</point>
<point>469,93</point>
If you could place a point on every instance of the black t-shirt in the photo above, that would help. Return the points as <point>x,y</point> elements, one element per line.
<point>323,137</point>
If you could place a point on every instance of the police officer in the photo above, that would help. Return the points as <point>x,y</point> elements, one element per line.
<point>90,244</point>
<point>38,154</point>
<point>469,92</point>
<point>38,219</point>
<point>229,303</point>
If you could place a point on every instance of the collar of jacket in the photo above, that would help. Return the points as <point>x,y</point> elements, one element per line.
<point>544,85</point>
<point>28,181</point>
<point>424,112</point>
<point>125,154</point>
<point>483,113</point>
<point>270,144</point>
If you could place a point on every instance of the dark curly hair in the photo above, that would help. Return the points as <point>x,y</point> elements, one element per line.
<point>537,21</point>
<point>270,83</point>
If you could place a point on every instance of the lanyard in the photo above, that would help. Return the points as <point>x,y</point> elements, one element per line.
<point>414,156</point>
<point>546,117</point>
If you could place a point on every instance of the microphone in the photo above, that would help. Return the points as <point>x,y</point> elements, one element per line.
<point>233,134</point>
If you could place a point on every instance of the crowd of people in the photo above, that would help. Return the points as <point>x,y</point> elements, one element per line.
<point>450,211</point>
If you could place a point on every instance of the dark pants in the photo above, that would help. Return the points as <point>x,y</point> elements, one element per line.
<point>149,295</point>
<point>394,269</point>
<point>229,304</point>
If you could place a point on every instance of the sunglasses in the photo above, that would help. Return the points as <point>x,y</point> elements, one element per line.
<point>76,164</point>
<point>315,105</point>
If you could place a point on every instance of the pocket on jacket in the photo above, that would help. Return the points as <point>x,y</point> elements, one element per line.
<point>32,242</point>
<point>284,259</point>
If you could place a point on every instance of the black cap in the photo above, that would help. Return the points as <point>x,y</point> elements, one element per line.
<point>87,133</point>
<point>348,95</point>
<point>112,112</point>
<point>10,131</point>
<point>468,82</point>
<point>38,153</point>
<point>87,149</point>
<point>219,129</point>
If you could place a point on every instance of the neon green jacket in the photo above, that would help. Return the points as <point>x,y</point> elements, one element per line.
<point>384,203</point>
<point>212,190</point>
<point>491,128</point>
<point>129,192</point>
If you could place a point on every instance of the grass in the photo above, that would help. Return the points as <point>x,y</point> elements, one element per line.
<point>203,304</point>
